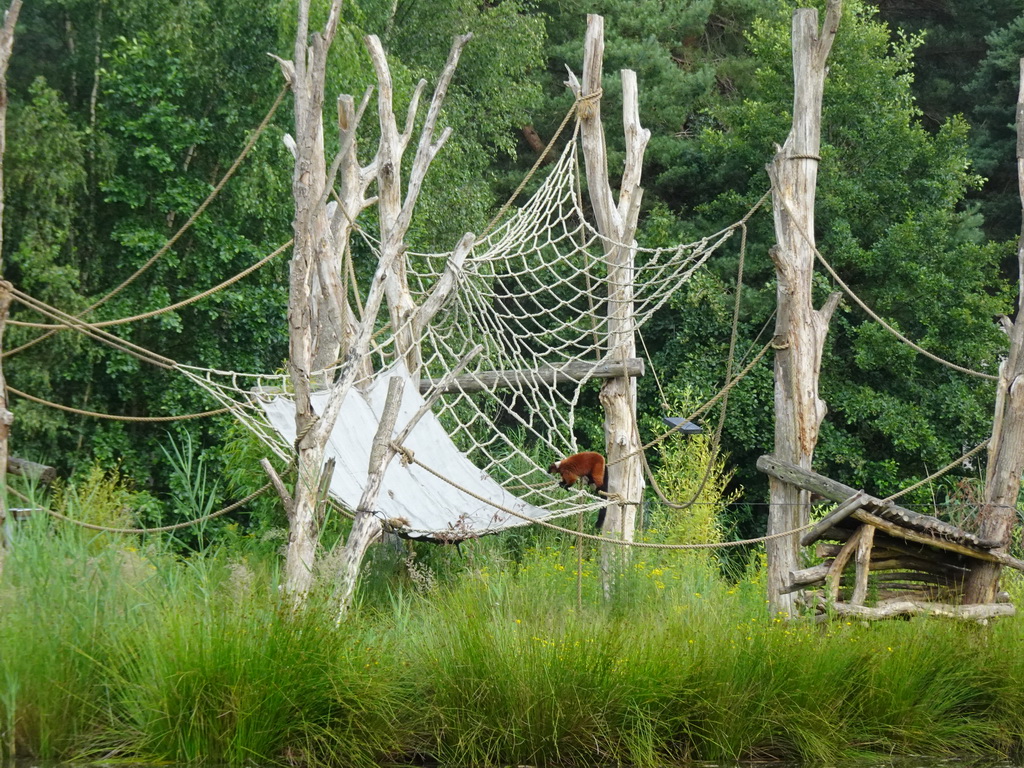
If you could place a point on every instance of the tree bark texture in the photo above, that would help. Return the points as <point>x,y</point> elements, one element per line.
<point>309,182</point>
<point>1006,449</point>
<point>407,320</point>
<point>800,328</point>
<point>617,224</point>
<point>323,328</point>
<point>367,527</point>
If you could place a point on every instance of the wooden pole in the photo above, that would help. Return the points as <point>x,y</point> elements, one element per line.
<point>617,224</point>
<point>1006,450</point>
<point>800,329</point>
<point>6,417</point>
<point>321,324</point>
<point>571,372</point>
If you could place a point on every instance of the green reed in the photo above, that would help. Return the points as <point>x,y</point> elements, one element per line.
<point>118,648</point>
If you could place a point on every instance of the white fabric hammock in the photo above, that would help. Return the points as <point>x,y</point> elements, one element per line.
<point>430,506</point>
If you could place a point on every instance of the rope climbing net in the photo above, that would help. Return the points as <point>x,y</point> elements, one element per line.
<point>533,294</point>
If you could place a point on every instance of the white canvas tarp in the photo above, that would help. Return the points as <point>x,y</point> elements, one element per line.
<point>433,507</point>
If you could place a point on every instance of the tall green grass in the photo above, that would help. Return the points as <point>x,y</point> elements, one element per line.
<point>118,648</point>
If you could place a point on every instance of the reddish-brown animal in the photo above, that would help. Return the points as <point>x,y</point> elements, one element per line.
<point>588,466</point>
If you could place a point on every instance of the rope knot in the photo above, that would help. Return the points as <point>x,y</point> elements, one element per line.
<point>586,106</point>
<point>408,457</point>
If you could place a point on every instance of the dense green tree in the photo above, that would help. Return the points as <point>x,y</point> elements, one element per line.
<point>123,119</point>
<point>993,134</point>
<point>967,65</point>
<point>124,116</point>
<point>891,219</point>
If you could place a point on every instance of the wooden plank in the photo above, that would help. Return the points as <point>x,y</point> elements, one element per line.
<point>922,538</point>
<point>889,558</point>
<point>844,510</point>
<point>833,489</point>
<point>891,608</point>
<point>547,375</point>
<point>482,381</point>
<point>860,589</point>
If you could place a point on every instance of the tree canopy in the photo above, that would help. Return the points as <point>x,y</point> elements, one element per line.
<point>124,117</point>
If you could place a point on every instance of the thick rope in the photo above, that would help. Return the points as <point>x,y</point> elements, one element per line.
<point>99,335</point>
<point>874,315</point>
<point>165,528</point>
<point>409,457</point>
<point>177,235</point>
<point>171,308</point>
<point>113,417</point>
<point>938,473</point>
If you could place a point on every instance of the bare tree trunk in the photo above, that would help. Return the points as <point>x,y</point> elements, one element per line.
<point>322,326</point>
<point>367,527</point>
<point>6,417</point>
<point>617,224</point>
<point>307,74</point>
<point>407,320</point>
<point>800,329</point>
<point>1006,450</point>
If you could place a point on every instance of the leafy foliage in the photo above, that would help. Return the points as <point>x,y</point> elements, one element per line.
<point>124,116</point>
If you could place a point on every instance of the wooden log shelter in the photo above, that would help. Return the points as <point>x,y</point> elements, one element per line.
<point>879,560</point>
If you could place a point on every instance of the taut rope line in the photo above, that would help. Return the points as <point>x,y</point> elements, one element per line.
<point>875,316</point>
<point>164,528</point>
<point>939,472</point>
<point>113,417</point>
<point>99,335</point>
<point>184,303</point>
<point>409,457</point>
<point>177,235</point>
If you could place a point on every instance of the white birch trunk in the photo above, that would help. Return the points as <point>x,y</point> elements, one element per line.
<point>322,325</point>
<point>396,205</point>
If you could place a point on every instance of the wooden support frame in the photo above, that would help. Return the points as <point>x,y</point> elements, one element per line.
<point>617,224</point>
<point>566,374</point>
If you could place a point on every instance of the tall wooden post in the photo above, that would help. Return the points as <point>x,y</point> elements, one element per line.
<point>6,417</point>
<point>800,329</point>
<point>617,224</point>
<point>1006,449</point>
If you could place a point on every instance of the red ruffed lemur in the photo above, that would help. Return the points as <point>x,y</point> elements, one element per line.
<point>588,466</point>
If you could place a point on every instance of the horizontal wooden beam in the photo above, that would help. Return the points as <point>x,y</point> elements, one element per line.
<point>24,468</point>
<point>833,489</point>
<point>889,609</point>
<point>546,375</point>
